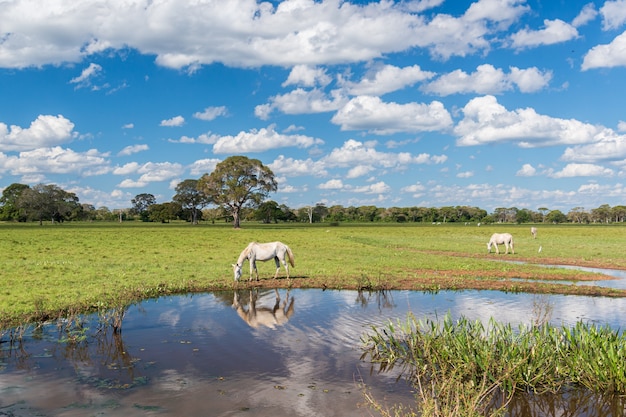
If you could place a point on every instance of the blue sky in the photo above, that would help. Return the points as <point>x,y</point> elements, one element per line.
<point>491,103</point>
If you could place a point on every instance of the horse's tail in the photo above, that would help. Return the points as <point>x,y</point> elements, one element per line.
<point>292,260</point>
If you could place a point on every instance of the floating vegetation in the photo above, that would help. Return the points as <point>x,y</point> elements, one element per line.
<point>467,368</point>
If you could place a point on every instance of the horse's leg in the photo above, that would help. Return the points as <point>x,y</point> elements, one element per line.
<point>253,269</point>
<point>286,264</point>
<point>277,262</point>
<point>497,250</point>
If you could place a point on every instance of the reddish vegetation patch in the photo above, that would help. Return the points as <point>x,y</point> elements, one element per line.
<point>422,279</point>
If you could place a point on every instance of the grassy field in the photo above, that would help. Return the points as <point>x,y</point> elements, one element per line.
<point>50,270</point>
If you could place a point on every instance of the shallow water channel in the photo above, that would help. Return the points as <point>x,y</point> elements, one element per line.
<point>218,354</point>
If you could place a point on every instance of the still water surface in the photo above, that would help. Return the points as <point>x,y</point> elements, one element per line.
<point>215,354</point>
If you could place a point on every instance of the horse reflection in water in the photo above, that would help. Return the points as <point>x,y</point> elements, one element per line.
<point>257,316</point>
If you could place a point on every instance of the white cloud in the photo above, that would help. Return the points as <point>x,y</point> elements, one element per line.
<point>465,174</point>
<point>84,79</point>
<point>488,80</point>
<point>126,169</point>
<point>300,101</point>
<point>211,113</point>
<point>582,170</point>
<point>334,184</point>
<point>258,33</point>
<point>487,121</point>
<point>388,78</point>
<point>173,122</point>
<point>359,171</point>
<point>45,131</point>
<point>613,14</point>
<point>262,140</point>
<point>295,167</point>
<point>377,188</point>
<point>606,56</point>
<point>607,146</point>
<point>129,150</point>
<point>375,116</point>
<point>307,76</point>
<point>57,160</point>
<point>527,170</point>
<point>555,31</point>
<point>203,166</point>
<point>586,15</point>
<point>357,155</point>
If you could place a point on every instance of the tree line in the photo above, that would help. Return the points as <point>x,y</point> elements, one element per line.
<point>238,189</point>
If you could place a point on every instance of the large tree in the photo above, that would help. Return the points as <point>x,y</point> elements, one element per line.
<point>9,209</point>
<point>191,199</point>
<point>236,182</point>
<point>48,202</point>
<point>141,203</point>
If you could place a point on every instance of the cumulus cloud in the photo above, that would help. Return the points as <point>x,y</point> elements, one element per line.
<point>203,166</point>
<point>261,140</point>
<point>606,56</point>
<point>296,167</point>
<point>375,116</point>
<point>258,33</point>
<point>334,184</point>
<point>354,153</point>
<point>385,79</point>
<point>211,113</point>
<point>45,131</point>
<point>487,121</point>
<point>555,31</point>
<point>527,170</point>
<point>84,79</point>
<point>307,76</point>
<point>587,14</point>
<point>607,146</point>
<point>613,14</point>
<point>152,172</point>
<point>173,122</point>
<point>57,160</point>
<point>301,101</point>
<point>489,80</point>
<point>582,170</point>
<point>129,150</point>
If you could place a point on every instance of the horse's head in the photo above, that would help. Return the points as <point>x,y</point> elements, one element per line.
<point>237,271</point>
<point>489,246</point>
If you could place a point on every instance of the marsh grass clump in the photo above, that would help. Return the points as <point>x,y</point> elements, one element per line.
<point>466,368</point>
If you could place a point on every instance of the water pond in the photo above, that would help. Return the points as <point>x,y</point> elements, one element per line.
<point>218,354</point>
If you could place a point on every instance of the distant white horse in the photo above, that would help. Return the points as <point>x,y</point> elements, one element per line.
<point>533,232</point>
<point>264,252</point>
<point>499,239</point>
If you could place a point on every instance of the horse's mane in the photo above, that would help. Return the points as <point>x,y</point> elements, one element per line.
<point>244,253</point>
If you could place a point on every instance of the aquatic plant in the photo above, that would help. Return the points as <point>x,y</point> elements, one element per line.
<point>468,368</point>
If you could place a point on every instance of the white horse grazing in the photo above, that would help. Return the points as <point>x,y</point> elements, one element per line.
<point>264,252</point>
<point>533,232</point>
<point>499,239</point>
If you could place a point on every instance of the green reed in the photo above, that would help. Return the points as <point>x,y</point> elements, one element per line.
<point>467,368</point>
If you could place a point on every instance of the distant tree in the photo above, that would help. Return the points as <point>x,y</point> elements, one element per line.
<point>543,211</point>
<point>268,212</point>
<point>164,212</point>
<point>556,216</point>
<point>601,214</point>
<point>48,202</point>
<point>238,182</point>
<point>9,202</point>
<point>191,199</point>
<point>140,205</point>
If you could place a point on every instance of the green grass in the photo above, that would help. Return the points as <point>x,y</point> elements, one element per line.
<point>54,269</point>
